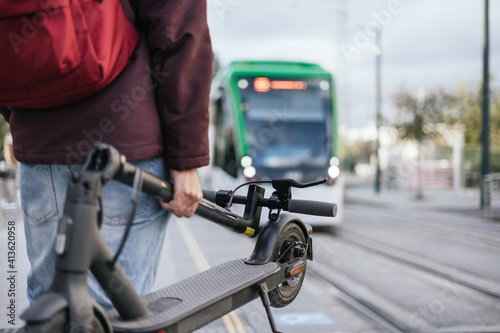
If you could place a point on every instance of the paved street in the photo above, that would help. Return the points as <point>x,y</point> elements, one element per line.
<point>394,265</point>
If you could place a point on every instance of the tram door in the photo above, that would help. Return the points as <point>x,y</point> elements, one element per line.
<point>224,149</point>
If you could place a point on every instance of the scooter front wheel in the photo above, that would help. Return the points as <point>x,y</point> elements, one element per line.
<point>286,292</point>
<point>59,324</point>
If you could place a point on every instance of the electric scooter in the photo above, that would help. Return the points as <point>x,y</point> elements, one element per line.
<point>274,271</point>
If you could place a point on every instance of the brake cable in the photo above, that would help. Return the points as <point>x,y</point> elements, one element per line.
<point>134,202</point>
<point>292,245</point>
<point>100,211</point>
<point>230,202</point>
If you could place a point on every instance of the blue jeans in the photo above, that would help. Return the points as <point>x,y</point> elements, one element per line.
<point>43,193</point>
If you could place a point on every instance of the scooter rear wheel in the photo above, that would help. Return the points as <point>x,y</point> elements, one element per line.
<point>286,292</point>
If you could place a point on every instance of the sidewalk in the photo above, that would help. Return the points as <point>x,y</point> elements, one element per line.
<point>465,201</point>
<point>14,265</point>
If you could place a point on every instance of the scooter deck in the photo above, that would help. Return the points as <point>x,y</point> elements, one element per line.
<point>191,303</point>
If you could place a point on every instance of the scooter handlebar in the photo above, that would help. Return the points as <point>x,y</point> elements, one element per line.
<point>309,207</point>
<point>209,195</point>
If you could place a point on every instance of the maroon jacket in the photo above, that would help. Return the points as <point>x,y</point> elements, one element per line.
<point>157,106</point>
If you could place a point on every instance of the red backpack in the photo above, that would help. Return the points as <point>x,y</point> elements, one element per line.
<point>56,52</point>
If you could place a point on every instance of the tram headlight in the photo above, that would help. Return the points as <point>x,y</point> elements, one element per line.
<point>249,171</point>
<point>246,161</point>
<point>242,84</point>
<point>334,161</point>
<point>333,171</point>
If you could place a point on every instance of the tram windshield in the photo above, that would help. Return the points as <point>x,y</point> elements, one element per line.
<point>287,123</point>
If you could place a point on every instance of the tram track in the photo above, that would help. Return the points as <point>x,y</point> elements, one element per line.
<point>384,313</point>
<point>454,274</point>
<point>386,308</point>
<point>375,306</point>
<point>435,223</point>
<point>359,306</point>
<point>411,272</point>
<point>431,243</point>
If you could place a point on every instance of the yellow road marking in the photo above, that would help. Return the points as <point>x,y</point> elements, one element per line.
<point>202,265</point>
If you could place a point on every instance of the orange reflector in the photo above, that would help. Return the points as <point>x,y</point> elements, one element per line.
<point>297,269</point>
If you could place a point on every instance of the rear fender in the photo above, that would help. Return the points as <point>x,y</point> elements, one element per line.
<point>268,237</point>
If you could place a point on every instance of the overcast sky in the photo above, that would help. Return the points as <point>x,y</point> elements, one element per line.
<point>425,43</point>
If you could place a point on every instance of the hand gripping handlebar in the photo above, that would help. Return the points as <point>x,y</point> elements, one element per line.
<point>309,207</point>
<point>109,164</point>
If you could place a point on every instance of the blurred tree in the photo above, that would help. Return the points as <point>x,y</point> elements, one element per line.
<point>418,117</point>
<point>468,113</point>
<point>467,117</point>
<point>356,152</point>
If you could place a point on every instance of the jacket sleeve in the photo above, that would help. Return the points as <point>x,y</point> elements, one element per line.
<point>181,61</point>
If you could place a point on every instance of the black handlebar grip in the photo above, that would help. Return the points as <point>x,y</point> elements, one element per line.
<point>310,207</point>
<point>209,195</point>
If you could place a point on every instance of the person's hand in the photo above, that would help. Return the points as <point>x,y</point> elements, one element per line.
<point>187,193</point>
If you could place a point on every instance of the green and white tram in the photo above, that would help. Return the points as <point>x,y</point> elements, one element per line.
<point>275,119</point>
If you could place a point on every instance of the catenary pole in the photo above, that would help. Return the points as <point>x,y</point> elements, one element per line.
<point>485,132</point>
<point>378,64</point>
<point>378,116</point>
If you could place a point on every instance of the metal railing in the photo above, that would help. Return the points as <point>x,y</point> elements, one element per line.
<point>491,193</point>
